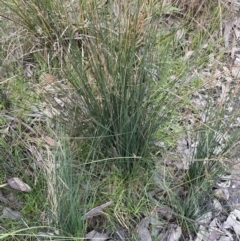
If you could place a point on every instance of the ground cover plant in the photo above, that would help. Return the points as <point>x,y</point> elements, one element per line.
<point>122,134</point>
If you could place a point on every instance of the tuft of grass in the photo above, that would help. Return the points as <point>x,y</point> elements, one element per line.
<point>212,147</point>
<point>81,186</point>
<point>121,81</point>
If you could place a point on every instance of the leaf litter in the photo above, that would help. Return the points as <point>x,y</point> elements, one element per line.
<point>18,184</point>
<point>97,210</point>
<point>8,213</point>
<point>96,236</point>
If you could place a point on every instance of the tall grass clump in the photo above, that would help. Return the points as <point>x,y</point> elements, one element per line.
<point>121,76</point>
<point>124,96</point>
<point>189,190</point>
<point>119,65</point>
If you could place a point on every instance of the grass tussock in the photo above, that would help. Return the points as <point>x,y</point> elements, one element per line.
<point>115,78</point>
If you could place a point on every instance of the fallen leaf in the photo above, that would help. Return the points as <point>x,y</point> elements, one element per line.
<point>201,234</point>
<point>49,140</point>
<point>214,235</point>
<point>226,71</point>
<point>179,34</point>
<point>188,54</point>
<point>10,214</point>
<point>232,221</point>
<point>235,71</point>
<point>48,113</point>
<point>143,232</point>
<point>226,176</point>
<point>217,206</point>
<point>28,70</point>
<point>97,210</point>
<point>236,32</point>
<point>175,234</point>
<point>51,112</point>
<point>18,184</point>
<point>227,33</point>
<point>226,238</point>
<point>46,78</point>
<point>59,102</point>
<point>115,9</point>
<point>205,218</point>
<point>222,194</point>
<point>215,230</point>
<point>165,211</point>
<point>96,236</point>
<point>224,183</point>
<point>120,232</point>
<point>47,234</point>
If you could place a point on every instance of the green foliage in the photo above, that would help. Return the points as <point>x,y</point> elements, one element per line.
<point>129,84</point>
<point>73,191</point>
<point>123,87</point>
